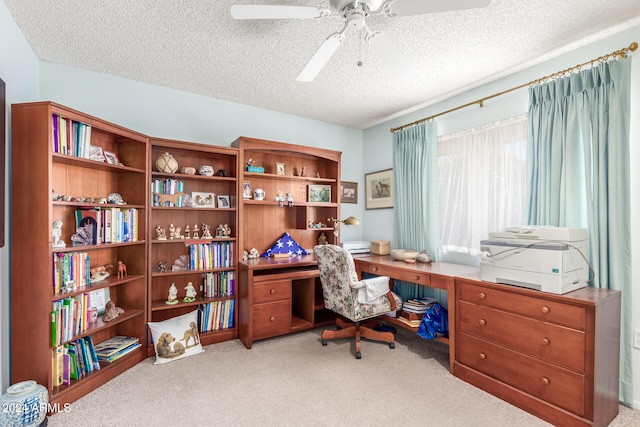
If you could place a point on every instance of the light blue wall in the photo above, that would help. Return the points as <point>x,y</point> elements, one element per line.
<point>19,70</point>
<point>378,142</point>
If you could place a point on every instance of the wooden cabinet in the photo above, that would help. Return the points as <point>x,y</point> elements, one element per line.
<point>52,180</point>
<point>555,356</point>
<point>264,221</point>
<point>280,296</point>
<point>182,205</point>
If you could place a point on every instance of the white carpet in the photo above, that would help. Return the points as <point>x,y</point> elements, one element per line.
<point>295,381</point>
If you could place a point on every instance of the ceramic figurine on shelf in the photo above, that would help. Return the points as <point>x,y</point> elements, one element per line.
<point>196,230</point>
<point>322,238</point>
<point>191,293</point>
<point>177,234</point>
<point>289,199</point>
<point>303,171</point>
<point>187,232</point>
<point>122,270</point>
<point>227,231</point>
<point>55,235</point>
<point>162,266</point>
<point>111,311</point>
<point>279,198</point>
<point>173,294</point>
<point>172,232</point>
<point>206,233</point>
<point>161,234</point>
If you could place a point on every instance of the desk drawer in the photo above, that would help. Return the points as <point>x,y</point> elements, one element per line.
<point>539,308</point>
<point>399,274</point>
<point>271,291</point>
<point>270,320</point>
<point>539,339</point>
<point>561,387</point>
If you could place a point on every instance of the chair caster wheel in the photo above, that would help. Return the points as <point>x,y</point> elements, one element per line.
<point>358,355</point>
<point>392,345</point>
<point>324,343</point>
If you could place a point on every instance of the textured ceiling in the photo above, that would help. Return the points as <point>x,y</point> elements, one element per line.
<point>196,46</point>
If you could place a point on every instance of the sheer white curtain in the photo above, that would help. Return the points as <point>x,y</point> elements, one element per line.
<point>482,182</point>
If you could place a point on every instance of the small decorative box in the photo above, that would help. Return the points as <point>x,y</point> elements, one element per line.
<point>380,247</point>
<point>258,169</point>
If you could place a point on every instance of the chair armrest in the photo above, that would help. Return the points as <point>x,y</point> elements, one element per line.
<point>362,283</point>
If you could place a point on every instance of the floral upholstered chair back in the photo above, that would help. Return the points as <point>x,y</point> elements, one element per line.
<point>340,285</point>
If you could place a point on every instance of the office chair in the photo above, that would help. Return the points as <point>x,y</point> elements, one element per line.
<point>354,299</point>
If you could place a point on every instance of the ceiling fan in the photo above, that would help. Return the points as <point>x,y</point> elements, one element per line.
<point>355,14</point>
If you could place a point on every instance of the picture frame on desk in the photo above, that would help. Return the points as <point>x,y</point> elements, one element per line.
<point>203,199</point>
<point>348,192</point>
<point>379,189</point>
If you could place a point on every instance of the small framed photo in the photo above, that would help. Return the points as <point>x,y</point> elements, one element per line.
<point>203,200</point>
<point>96,154</point>
<point>111,158</point>
<point>223,202</point>
<point>379,189</point>
<point>246,190</point>
<point>280,169</point>
<point>319,193</point>
<point>348,192</point>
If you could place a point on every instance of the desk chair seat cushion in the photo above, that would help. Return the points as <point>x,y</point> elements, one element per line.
<point>341,286</point>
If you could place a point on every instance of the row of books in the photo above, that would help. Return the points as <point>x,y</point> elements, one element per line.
<point>167,186</point>
<point>205,256</point>
<point>73,361</point>
<point>72,316</point>
<point>219,284</point>
<point>69,268</point>
<point>71,137</point>
<point>216,315</point>
<point>115,347</point>
<point>109,225</point>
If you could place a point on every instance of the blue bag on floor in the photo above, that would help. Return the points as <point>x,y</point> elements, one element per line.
<point>435,323</point>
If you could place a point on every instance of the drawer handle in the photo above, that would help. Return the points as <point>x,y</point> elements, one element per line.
<point>375,268</point>
<point>272,291</point>
<point>272,319</point>
<point>417,278</point>
<point>482,322</point>
<point>546,381</point>
<point>545,309</point>
<point>483,356</point>
<point>483,295</point>
<point>546,341</point>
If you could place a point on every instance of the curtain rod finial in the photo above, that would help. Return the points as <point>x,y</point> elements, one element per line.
<point>633,46</point>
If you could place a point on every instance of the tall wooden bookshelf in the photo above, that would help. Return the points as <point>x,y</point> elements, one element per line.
<point>171,209</point>
<point>41,167</point>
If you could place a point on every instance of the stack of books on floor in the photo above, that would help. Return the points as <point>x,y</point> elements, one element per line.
<point>413,309</point>
<point>114,348</point>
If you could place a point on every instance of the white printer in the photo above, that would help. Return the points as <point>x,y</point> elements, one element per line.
<point>357,247</point>
<point>545,258</point>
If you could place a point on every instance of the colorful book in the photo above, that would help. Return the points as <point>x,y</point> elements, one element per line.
<point>113,345</point>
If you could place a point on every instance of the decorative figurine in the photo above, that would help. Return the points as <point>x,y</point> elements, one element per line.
<point>187,232</point>
<point>161,234</point>
<point>289,199</point>
<point>172,232</point>
<point>322,238</point>
<point>253,253</point>
<point>99,272</point>
<point>206,234</point>
<point>227,231</point>
<point>180,264</point>
<point>191,293</point>
<point>56,233</point>
<point>173,294</point>
<point>245,255</point>
<point>162,266</point>
<point>220,231</point>
<point>177,234</point>
<point>111,311</point>
<point>122,270</point>
<point>302,171</point>
<point>196,231</point>
<point>279,198</point>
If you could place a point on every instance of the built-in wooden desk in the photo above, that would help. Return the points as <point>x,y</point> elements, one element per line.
<point>440,275</point>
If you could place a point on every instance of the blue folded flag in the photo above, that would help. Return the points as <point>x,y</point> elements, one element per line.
<point>285,245</point>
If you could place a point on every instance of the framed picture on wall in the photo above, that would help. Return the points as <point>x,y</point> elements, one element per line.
<point>379,189</point>
<point>348,192</point>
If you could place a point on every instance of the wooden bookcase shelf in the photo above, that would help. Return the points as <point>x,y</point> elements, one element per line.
<point>189,154</point>
<point>40,167</point>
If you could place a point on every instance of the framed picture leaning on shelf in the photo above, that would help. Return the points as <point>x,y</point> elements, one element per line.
<point>111,158</point>
<point>319,193</point>
<point>223,202</point>
<point>203,200</point>
<point>379,189</point>
<point>280,169</point>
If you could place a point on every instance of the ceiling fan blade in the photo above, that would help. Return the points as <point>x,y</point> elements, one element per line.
<point>421,7</point>
<point>241,11</point>
<point>392,57</point>
<point>320,58</point>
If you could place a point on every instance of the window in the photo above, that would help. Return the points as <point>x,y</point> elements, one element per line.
<point>482,182</point>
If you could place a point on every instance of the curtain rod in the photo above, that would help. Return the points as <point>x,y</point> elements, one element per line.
<point>619,54</point>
